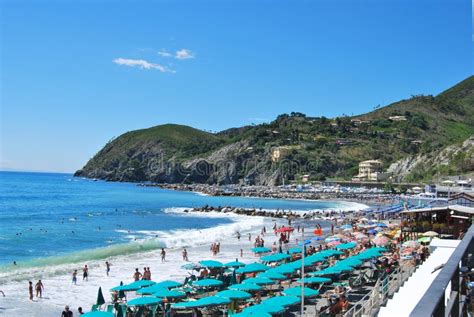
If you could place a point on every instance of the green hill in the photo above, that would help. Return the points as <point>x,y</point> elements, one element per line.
<point>321,147</point>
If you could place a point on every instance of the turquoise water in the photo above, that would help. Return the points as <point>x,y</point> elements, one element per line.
<point>44,216</point>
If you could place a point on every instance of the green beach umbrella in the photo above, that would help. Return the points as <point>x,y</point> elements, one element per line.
<point>315,280</point>
<point>208,282</point>
<point>234,294</point>
<point>98,314</point>
<point>169,284</point>
<point>235,263</point>
<point>272,275</point>
<point>296,291</point>
<point>150,290</point>
<point>277,257</point>
<point>258,281</point>
<point>144,301</point>
<point>166,293</point>
<point>286,300</point>
<point>245,287</point>
<point>252,268</point>
<point>100,297</point>
<point>211,264</point>
<point>260,250</point>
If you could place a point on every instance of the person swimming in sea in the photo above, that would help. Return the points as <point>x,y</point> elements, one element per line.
<point>85,273</point>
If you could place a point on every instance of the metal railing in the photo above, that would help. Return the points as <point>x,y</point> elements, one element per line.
<point>383,289</point>
<point>434,301</point>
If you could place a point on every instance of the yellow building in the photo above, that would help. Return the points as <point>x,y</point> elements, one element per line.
<point>370,170</point>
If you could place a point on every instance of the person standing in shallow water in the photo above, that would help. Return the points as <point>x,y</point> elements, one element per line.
<point>185,255</point>
<point>107,267</point>
<point>137,275</point>
<point>74,277</point>
<point>30,289</point>
<point>85,273</point>
<point>39,289</point>
<point>163,255</point>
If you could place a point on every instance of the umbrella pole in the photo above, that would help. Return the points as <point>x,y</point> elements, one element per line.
<point>302,275</point>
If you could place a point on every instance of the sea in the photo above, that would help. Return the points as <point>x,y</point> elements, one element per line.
<point>53,223</point>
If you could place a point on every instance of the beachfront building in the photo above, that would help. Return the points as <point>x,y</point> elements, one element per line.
<point>448,221</point>
<point>370,170</point>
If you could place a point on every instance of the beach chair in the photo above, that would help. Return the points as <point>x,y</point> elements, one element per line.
<point>139,313</point>
<point>110,308</point>
<point>95,307</point>
<point>153,310</point>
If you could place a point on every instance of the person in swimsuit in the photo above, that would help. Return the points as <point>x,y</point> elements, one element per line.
<point>66,312</point>
<point>185,255</point>
<point>163,255</point>
<point>39,289</point>
<point>137,275</point>
<point>30,289</point>
<point>74,277</point>
<point>85,273</point>
<point>107,265</point>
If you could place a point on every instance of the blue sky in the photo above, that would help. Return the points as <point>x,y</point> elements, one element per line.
<point>74,75</point>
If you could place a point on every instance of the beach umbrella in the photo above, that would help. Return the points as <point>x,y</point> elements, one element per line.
<point>259,309</point>
<point>346,246</point>
<point>211,264</point>
<point>294,250</point>
<point>329,253</point>
<point>430,234</point>
<point>100,297</point>
<point>208,282</point>
<point>260,250</point>
<point>411,244</point>
<point>314,280</point>
<point>252,268</point>
<point>166,293</point>
<point>332,238</point>
<point>212,301</point>
<point>382,225</point>
<point>191,266</point>
<point>169,284</point>
<point>283,269</point>
<point>144,301</point>
<point>346,227</point>
<point>286,300</point>
<point>314,258</point>
<point>284,229</point>
<point>372,231</point>
<point>137,285</point>
<point>424,239</point>
<point>258,281</point>
<point>186,305</point>
<point>235,263</point>
<point>317,238</point>
<point>234,294</point>
<point>333,243</point>
<point>277,257</point>
<point>296,291</point>
<point>382,240</point>
<point>248,287</point>
<point>98,314</point>
<point>327,271</point>
<point>149,290</point>
<point>252,314</point>
<point>272,275</point>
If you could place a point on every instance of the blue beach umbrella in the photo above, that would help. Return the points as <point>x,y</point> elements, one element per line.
<point>294,250</point>
<point>234,294</point>
<point>98,314</point>
<point>208,282</point>
<point>286,300</point>
<point>277,257</point>
<point>247,287</point>
<point>211,264</point>
<point>252,268</point>
<point>346,246</point>
<point>260,250</point>
<point>212,301</point>
<point>169,284</point>
<point>235,263</point>
<point>258,281</point>
<point>166,293</point>
<point>346,227</point>
<point>315,280</point>
<point>137,285</point>
<point>272,275</point>
<point>296,291</point>
<point>144,301</point>
<point>259,309</point>
<point>283,269</point>
<point>317,238</point>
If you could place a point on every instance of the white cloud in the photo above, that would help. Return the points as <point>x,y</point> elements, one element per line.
<point>184,54</point>
<point>164,53</point>
<point>143,64</point>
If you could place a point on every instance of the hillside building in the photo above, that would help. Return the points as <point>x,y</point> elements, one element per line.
<point>370,170</point>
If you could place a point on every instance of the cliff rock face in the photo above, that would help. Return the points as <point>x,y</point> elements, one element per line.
<point>415,138</point>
